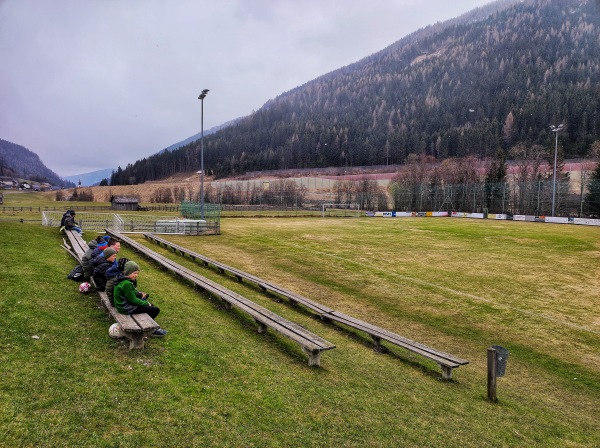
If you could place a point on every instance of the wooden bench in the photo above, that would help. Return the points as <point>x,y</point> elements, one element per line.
<point>311,344</point>
<point>78,245</point>
<point>266,286</point>
<point>136,327</point>
<point>446,361</point>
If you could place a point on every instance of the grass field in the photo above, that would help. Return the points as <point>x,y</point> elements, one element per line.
<point>457,285</point>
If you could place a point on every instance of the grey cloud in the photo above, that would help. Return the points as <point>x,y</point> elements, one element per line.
<point>96,84</point>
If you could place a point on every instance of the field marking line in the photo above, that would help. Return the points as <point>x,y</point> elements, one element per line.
<point>447,289</point>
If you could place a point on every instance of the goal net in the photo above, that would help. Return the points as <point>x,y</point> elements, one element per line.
<point>340,210</point>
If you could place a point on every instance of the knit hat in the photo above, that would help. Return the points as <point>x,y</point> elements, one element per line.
<point>102,245</point>
<point>109,251</point>
<point>130,268</point>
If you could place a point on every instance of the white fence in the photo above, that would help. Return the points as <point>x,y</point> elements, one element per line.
<point>97,222</point>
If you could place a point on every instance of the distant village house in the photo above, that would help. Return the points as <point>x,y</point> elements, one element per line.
<point>130,203</point>
<point>8,183</point>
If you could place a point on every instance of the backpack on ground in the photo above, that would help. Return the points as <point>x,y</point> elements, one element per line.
<point>76,274</point>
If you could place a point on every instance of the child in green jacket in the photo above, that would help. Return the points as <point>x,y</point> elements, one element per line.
<point>128,300</point>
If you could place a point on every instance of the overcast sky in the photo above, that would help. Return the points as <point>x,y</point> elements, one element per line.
<point>94,84</point>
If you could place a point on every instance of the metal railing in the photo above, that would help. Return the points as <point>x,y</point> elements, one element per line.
<point>130,223</point>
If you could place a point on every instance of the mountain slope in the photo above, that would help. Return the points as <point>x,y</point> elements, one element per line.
<point>19,161</point>
<point>91,178</point>
<point>491,79</point>
<point>95,177</point>
<point>195,138</point>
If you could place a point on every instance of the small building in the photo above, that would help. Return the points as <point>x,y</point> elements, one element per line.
<point>130,203</point>
<point>7,183</point>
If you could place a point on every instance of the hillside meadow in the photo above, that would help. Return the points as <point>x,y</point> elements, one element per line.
<point>457,285</point>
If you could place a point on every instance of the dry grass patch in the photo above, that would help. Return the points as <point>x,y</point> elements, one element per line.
<point>214,381</point>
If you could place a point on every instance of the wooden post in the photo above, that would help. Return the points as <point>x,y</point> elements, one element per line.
<point>491,374</point>
<point>446,372</point>
<point>378,347</point>
<point>261,327</point>
<point>314,357</point>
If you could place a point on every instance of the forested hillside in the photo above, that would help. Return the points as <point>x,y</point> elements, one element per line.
<point>18,161</point>
<point>492,79</point>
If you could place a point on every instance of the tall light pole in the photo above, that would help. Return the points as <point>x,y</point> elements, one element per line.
<point>201,98</point>
<point>555,129</point>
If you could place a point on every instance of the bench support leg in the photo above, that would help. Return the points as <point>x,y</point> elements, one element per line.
<point>261,327</point>
<point>136,340</point>
<point>314,357</point>
<point>378,347</point>
<point>446,372</point>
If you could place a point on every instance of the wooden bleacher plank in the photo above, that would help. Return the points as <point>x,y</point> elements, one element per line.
<point>137,328</point>
<point>263,284</point>
<point>394,338</point>
<point>310,343</point>
<point>446,361</point>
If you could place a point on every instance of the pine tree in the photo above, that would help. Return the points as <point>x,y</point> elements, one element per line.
<point>593,196</point>
<point>495,184</point>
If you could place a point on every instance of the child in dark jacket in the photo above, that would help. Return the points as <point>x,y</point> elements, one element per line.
<point>70,223</point>
<point>106,242</point>
<point>127,300</point>
<point>86,259</point>
<point>113,275</point>
<point>101,264</point>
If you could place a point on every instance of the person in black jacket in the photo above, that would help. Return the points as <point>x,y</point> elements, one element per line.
<point>110,242</point>
<point>70,223</point>
<point>103,263</point>
<point>113,275</point>
<point>86,259</point>
<point>64,216</point>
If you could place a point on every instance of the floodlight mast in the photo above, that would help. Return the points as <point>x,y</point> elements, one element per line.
<point>556,130</point>
<point>201,98</point>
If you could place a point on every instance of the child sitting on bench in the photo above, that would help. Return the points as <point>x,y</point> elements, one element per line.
<point>128,300</point>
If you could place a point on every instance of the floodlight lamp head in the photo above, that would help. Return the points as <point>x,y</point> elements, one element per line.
<point>203,94</point>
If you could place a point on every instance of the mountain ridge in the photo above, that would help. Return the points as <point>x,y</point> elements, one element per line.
<point>92,178</point>
<point>488,80</point>
<point>18,161</point>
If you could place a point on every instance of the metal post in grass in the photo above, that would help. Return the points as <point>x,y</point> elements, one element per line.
<point>497,358</point>
<point>201,98</point>
<point>556,130</point>
<point>491,375</point>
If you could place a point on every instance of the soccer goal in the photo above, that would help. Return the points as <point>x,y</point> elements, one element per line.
<point>340,210</point>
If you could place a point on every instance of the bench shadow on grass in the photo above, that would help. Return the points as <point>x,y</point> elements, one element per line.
<point>399,354</point>
<point>289,347</point>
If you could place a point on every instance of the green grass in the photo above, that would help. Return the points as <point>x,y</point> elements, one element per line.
<point>457,285</point>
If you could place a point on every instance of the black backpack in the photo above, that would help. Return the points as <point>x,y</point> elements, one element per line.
<point>76,274</point>
<point>64,216</point>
